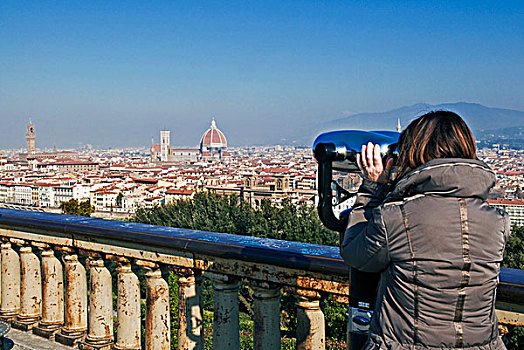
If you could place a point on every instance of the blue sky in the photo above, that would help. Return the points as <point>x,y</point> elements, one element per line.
<point>112,73</point>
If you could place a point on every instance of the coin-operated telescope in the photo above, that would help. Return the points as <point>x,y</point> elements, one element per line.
<point>337,150</point>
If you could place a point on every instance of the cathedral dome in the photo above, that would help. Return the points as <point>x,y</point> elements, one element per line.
<point>213,138</point>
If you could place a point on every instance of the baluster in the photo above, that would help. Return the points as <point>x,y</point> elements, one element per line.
<point>157,309</point>
<point>311,332</point>
<point>225,320</point>
<point>190,332</point>
<point>75,326</point>
<point>128,309</point>
<point>30,290</point>
<point>10,303</point>
<point>52,296</point>
<point>266,316</point>
<point>100,335</point>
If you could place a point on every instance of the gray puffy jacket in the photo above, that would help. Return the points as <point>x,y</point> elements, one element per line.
<point>438,246</point>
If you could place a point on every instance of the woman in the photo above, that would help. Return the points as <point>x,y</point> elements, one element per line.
<point>434,239</point>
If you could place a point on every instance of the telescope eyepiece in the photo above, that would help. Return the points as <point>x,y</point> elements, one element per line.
<point>329,152</point>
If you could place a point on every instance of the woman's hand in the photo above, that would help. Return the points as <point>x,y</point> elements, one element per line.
<point>370,163</point>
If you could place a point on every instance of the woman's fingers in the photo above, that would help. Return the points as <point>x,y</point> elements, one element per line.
<point>369,155</point>
<point>389,165</point>
<point>369,161</point>
<point>363,157</point>
<point>359,162</point>
<point>384,176</point>
<point>377,158</point>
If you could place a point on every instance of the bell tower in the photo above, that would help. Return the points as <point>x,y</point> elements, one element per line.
<point>164,145</point>
<point>30,136</point>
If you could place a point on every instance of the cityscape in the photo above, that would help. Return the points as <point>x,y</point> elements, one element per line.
<point>119,181</point>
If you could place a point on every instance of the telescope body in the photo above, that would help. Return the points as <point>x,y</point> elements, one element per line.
<point>344,145</point>
<point>337,150</point>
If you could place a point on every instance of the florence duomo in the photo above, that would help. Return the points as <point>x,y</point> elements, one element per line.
<point>212,146</point>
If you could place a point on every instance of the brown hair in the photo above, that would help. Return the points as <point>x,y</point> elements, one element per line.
<point>437,134</point>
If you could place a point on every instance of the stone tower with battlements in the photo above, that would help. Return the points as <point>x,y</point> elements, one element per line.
<point>30,136</point>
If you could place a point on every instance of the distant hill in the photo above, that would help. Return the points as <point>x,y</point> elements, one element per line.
<point>480,119</point>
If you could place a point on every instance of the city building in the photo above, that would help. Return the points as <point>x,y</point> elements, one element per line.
<point>175,194</point>
<point>186,154</point>
<point>514,208</point>
<point>25,157</point>
<point>255,188</point>
<point>46,195</point>
<point>63,166</point>
<point>23,193</point>
<point>62,194</point>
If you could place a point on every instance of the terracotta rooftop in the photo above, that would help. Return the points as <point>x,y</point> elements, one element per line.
<point>505,201</point>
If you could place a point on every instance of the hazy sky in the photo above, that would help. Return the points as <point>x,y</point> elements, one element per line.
<point>113,73</point>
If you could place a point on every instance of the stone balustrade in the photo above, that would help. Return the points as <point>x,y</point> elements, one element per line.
<point>56,283</point>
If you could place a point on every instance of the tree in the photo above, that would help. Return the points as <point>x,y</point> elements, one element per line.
<point>514,253</point>
<point>518,192</point>
<point>212,212</point>
<point>514,258</point>
<point>118,200</point>
<point>73,207</point>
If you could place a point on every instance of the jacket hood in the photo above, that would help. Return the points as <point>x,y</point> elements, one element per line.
<point>447,177</point>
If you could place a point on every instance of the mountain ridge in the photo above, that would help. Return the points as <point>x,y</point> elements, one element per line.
<point>479,118</point>
<point>473,113</point>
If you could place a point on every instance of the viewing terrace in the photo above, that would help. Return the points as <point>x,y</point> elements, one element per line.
<point>45,289</point>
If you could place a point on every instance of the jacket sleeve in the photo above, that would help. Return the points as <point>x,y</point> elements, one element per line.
<point>365,243</point>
